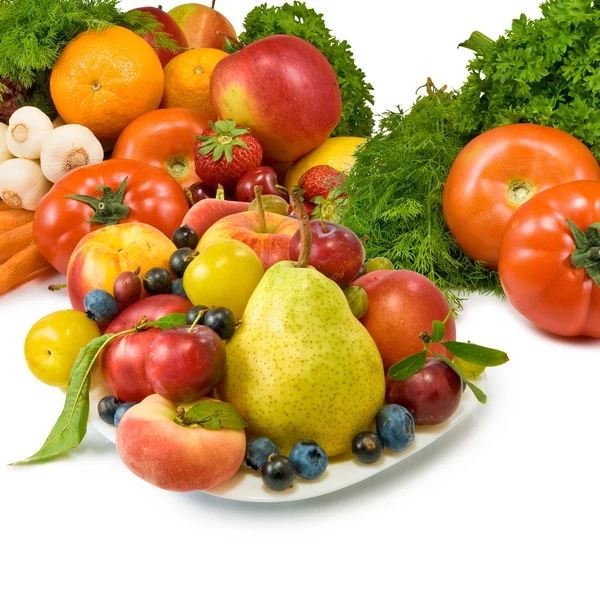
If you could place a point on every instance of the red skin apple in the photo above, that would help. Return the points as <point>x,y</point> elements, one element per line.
<point>432,395</point>
<point>205,214</point>
<point>171,28</point>
<point>336,252</point>
<point>284,90</point>
<point>271,246</point>
<point>123,363</point>
<point>203,26</point>
<point>263,176</point>
<point>180,459</point>
<point>184,365</point>
<point>403,304</point>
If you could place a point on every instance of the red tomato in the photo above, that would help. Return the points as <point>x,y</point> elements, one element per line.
<point>150,196</point>
<point>164,138</point>
<point>550,270</point>
<point>502,169</point>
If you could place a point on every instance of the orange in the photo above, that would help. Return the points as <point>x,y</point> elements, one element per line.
<point>106,79</point>
<point>187,80</point>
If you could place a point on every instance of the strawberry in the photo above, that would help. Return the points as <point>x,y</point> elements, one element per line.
<point>320,181</point>
<point>224,152</point>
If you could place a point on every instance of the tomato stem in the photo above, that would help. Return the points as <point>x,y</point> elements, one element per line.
<point>587,249</point>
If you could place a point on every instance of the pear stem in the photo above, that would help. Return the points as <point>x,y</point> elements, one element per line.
<point>261,208</point>
<point>220,195</point>
<point>305,231</point>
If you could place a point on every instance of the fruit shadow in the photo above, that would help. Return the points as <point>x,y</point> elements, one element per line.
<point>397,476</point>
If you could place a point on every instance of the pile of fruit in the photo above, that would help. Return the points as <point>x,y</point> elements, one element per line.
<point>230,315</point>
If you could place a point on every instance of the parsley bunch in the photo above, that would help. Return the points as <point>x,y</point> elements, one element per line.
<point>298,20</point>
<point>544,71</point>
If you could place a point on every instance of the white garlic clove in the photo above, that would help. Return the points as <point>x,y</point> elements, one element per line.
<point>22,183</point>
<point>27,128</point>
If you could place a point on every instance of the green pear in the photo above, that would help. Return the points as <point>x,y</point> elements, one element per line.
<point>301,366</point>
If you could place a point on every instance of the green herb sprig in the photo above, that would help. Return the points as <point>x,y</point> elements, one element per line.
<point>395,196</point>
<point>478,355</point>
<point>300,21</point>
<point>71,426</point>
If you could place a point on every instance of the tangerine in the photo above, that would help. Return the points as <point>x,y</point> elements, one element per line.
<point>187,80</point>
<point>106,79</point>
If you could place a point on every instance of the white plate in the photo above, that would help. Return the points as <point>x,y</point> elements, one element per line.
<point>246,485</point>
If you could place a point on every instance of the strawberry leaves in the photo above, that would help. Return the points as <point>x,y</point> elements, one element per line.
<point>222,142</point>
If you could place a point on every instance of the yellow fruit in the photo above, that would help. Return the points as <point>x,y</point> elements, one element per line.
<point>53,343</point>
<point>187,80</point>
<point>337,152</point>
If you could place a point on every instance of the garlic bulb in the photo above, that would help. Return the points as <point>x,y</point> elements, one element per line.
<point>4,151</point>
<point>22,183</point>
<point>27,129</point>
<point>69,147</point>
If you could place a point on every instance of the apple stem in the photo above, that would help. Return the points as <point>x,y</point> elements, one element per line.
<point>260,208</point>
<point>322,221</point>
<point>213,4</point>
<point>305,232</point>
<point>220,195</point>
<point>55,287</point>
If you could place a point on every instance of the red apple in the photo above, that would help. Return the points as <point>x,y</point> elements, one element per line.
<point>171,28</point>
<point>403,304</point>
<point>432,395</point>
<point>123,363</point>
<point>156,448</point>
<point>270,240</point>
<point>184,365</point>
<point>335,251</point>
<point>284,90</point>
<point>203,26</point>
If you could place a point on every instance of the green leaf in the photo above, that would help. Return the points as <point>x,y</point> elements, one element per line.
<point>478,355</point>
<point>478,42</point>
<point>479,393</point>
<point>213,415</point>
<point>71,425</point>
<point>173,320</point>
<point>408,367</point>
<point>438,331</point>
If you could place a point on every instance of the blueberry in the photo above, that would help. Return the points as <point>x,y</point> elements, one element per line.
<point>258,451</point>
<point>221,321</point>
<point>185,237</point>
<point>121,411</point>
<point>396,427</point>
<point>367,447</point>
<point>180,259</point>
<point>278,473</point>
<point>177,288</point>
<point>309,459</point>
<point>158,281</point>
<point>193,313</point>
<point>107,407</point>
<point>100,306</point>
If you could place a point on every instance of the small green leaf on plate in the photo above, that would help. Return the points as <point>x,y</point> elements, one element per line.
<point>408,367</point>
<point>174,320</point>
<point>213,415</point>
<point>478,355</point>
<point>479,393</point>
<point>438,331</point>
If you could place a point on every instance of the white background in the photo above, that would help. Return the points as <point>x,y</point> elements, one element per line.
<point>506,506</point>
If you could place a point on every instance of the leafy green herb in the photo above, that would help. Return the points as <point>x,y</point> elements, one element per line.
<point>173,320</point>
<point>480,355</point>
<point>71,425</point>
<point>33,33</point>
<point>211,415</point>
<point>395,196</point>
<point>542,71</point>
<point>298,20</point>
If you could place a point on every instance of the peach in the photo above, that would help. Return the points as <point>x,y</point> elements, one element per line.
<point>181,459</point>
<point>102,254</point>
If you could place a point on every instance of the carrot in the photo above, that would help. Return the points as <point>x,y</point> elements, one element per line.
<point>9,219</point>
<point>20,267</point>
<point>15,240</point>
